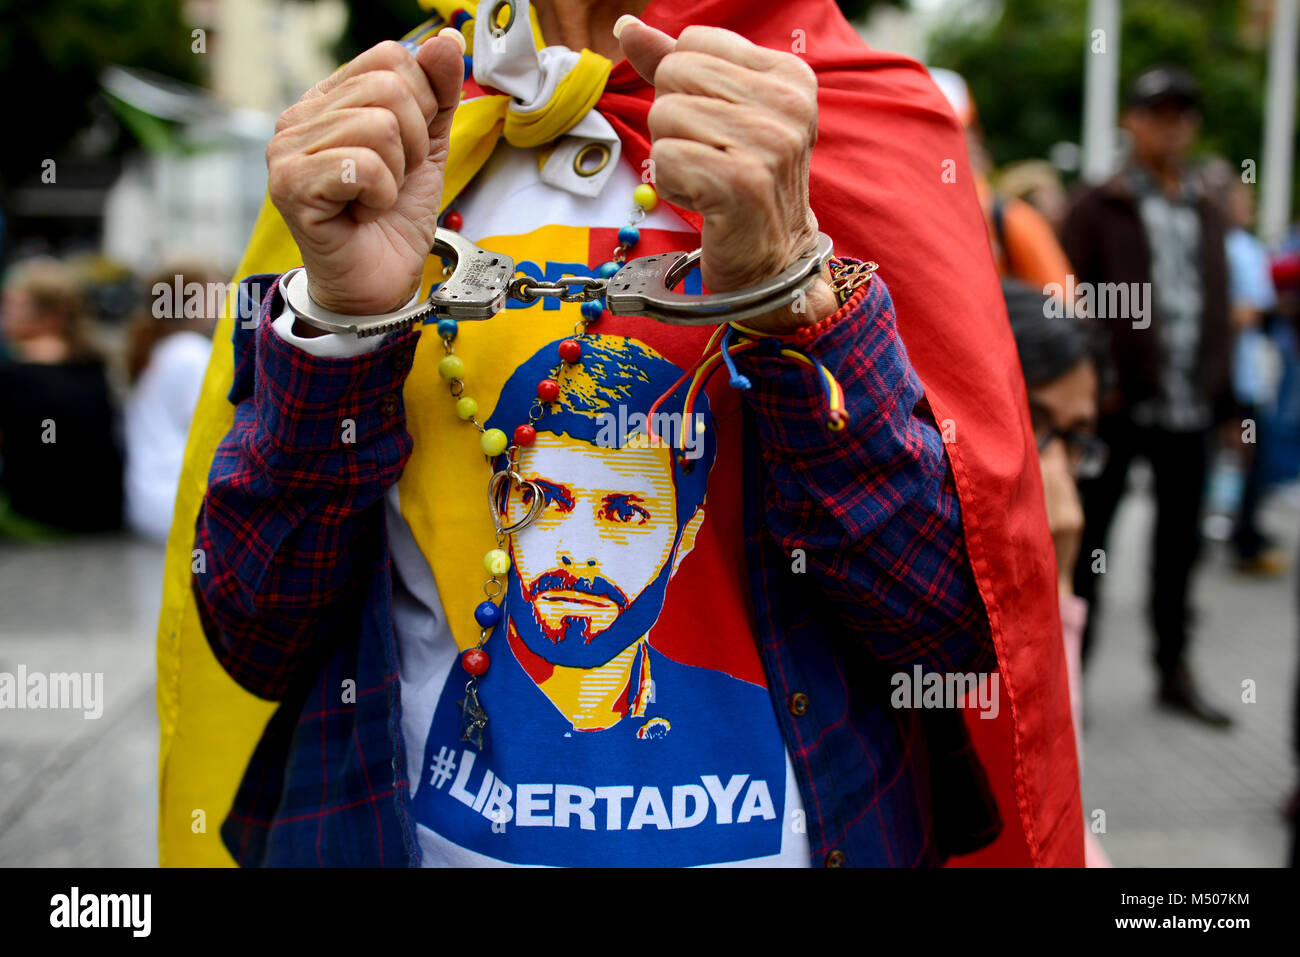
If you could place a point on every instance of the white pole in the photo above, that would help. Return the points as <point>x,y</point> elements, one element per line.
<point>1279,125</point>
<point>1100,89</point>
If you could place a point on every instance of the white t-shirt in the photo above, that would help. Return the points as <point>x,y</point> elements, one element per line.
<point>663,748</point>
<point>157,421</point>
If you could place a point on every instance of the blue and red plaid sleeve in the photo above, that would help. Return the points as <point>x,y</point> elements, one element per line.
<point>873,507</point>
<point>290,526</point>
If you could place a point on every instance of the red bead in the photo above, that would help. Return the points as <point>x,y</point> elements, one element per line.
<point>453,221</point>
<point>570,350</point>
<point>475,661</point>
<point>548,390</point>
<point>525,435</point>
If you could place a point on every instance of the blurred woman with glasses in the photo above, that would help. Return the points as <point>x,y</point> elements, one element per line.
<point>1059,358</point>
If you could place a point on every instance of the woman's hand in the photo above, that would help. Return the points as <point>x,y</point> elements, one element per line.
<point>356,170</point>
<point>733,127</point>
<point>1064,512</point>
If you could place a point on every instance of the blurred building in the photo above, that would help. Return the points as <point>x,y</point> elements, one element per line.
<point>197,193</point>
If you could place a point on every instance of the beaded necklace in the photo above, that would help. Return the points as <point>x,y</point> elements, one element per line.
<point>494,442</point>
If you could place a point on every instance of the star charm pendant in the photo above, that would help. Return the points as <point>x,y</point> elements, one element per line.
<point>473,718</point>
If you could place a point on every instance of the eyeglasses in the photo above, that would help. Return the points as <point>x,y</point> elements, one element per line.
<point>1087,454</point>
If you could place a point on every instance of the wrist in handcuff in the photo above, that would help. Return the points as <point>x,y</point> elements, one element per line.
<point>306,330</point>
<point>845,280</point>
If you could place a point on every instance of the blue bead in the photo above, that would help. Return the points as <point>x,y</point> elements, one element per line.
<point>591,311</point>
<point>458,18</point>
<point>608,269</point>
<point>487,614</point>
<point>628,236</point>
<point>469,66</point>
<point>447,328</point>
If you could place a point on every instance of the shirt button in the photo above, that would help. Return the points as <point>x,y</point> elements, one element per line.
<point>835,859</point>
<point>388,404</point>
<point>402,359</point>
<point>798,703</point>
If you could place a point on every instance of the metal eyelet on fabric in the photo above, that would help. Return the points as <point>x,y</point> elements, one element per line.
<point>599,150</point>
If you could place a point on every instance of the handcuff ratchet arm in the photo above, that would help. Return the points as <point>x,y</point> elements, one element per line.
<point>475,290</point>
<point>644,287</point>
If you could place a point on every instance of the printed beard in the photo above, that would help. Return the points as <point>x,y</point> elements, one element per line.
<point>574,629</point>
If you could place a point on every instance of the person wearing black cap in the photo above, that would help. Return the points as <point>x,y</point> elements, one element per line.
<point>1151,231</point>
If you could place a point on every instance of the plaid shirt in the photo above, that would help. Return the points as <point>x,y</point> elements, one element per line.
<point>857,570</point>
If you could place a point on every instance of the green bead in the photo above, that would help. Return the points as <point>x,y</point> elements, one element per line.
<point>451,367</point>
<point>493,442</point>
<point>496,562</point>
<point>466,408</point>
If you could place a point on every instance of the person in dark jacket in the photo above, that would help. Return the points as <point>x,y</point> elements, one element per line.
<point>60,462</point>
<point>1149,240</point>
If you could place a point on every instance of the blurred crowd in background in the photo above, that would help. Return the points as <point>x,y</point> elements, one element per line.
<point>108,310</point>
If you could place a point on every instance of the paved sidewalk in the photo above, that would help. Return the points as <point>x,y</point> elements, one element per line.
<point>1176,793</point>
<point>77,791</point>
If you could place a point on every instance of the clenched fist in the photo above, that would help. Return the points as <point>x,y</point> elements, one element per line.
<point>356,170</point>
<point>733,127</point>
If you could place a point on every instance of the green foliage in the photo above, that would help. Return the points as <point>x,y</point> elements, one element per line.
<point>1025,69</point>
<point>51,55</point>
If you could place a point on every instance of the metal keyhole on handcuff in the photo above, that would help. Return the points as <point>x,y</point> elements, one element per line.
<point>481,281</point>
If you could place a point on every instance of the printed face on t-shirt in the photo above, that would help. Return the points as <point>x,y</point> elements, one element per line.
<point>620,509</point>
<point>603,537</point>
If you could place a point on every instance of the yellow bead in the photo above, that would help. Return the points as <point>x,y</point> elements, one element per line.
<point>493,442</point>
<point>645,197</point>
<point>452,367</point>
<point>466,408</point>
<point>496,562</point>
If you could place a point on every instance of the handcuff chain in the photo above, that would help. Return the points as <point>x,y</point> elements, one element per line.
<point>528,289</point>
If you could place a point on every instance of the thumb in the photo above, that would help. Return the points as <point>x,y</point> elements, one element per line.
<point>441,58</point>
<point>643,45</point>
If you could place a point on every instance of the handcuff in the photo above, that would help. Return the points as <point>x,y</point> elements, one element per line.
<point>481,281</point>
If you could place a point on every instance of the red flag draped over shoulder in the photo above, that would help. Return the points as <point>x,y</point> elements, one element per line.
<point>890,182</point>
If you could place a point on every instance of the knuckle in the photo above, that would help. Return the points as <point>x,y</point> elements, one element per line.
<point>693,35</point>
<point>388,86</point>
<point>274,151</point>
<point>789,141</point>
<point>280,181</point>
<point>690,34</point>
<point>287,118</point>
<point>787,100</point>
<point>388,52</point>
<point>801,75</point>
<point>664,111</point>
<point>370,164</point>
<point>669,72</point>
<point>388,128</point>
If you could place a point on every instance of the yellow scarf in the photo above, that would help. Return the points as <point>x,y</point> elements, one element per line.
<point>209,725</point>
